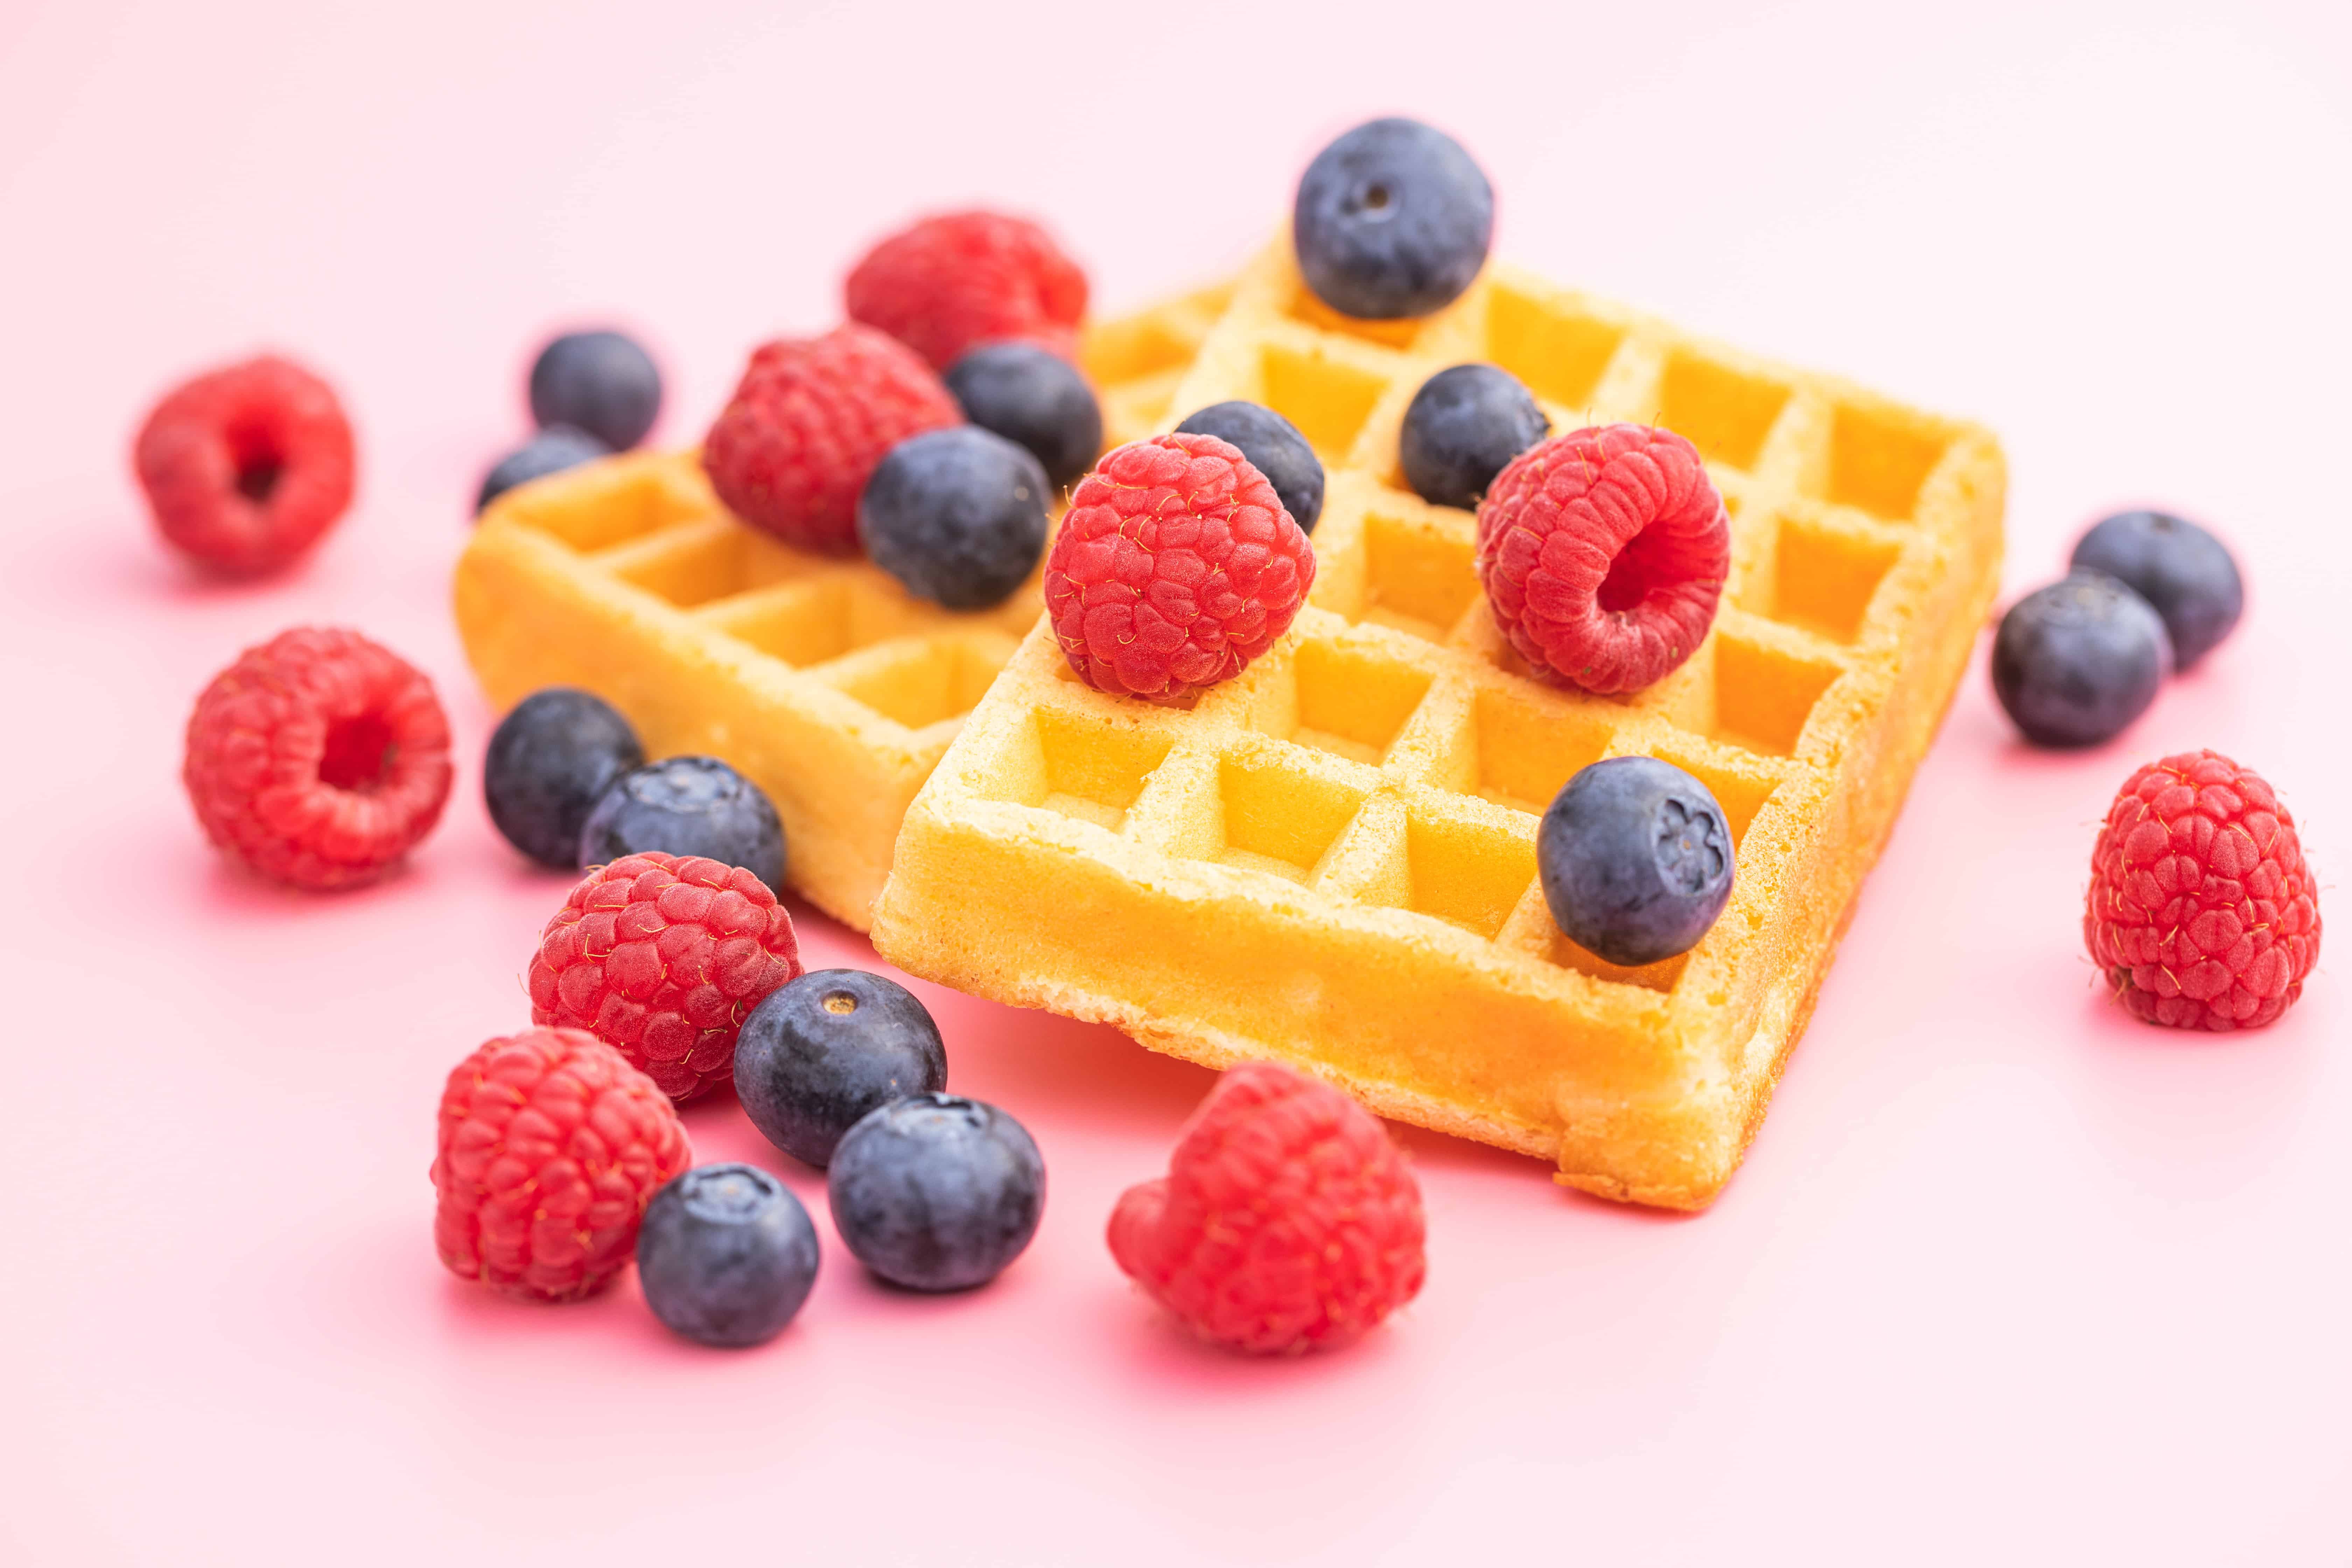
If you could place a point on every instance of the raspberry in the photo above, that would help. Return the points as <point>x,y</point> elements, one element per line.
<point>1175,566</point>
<point>1287,1220</point>
<point>961,278</point>
<point>1604,553</point>
<point>811,418</point>
<point>660,956</point>
<point>318,758</point>
<point>2202,909</point>
<point>245,467</point>
<point>551,1147</point>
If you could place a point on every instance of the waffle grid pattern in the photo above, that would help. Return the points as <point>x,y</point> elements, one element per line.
<point>1370,789</point>
<point>820,677</point>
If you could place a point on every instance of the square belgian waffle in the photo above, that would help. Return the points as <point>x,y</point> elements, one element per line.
<point>1330,861</point>
<point>820,678</point>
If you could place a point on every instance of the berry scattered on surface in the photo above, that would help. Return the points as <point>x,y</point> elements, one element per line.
<point>2076,662</point>
<point>958,516</point>
<point>937,1193</point>
<point>686,806</point>
<point>1603,553</point>
<point>948,282</point>
<point>806,425</point>
<point>318,758</point>
<point>662,957</point>
<point>603,382</point>
<point>1635,859</point>
<point>1275,448</point>
<point>821,1053</point>
<point>1175,566</point>
<point>245,467</point>
<point>2184,572</point>
<point>1034,397</point>
<point>2202,912</point>
<point>1392,220</point>
<point>1288,1220</point>
<point>550,1146</point>
<point>549,451</point>
<point>726,1256</point>
<point>1463,425</point>
<point>549,761</point>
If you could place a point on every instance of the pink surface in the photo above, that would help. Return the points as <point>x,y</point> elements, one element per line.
<point>2007,1277</point>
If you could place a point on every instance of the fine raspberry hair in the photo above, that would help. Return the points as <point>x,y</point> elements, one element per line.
<point>661,956</point>
<point>1288,1220</point>
<point>318,758</point>
<point>551,1147</point>
<point>1175,566</point>
<point>1603,553</point>
<point>809,420</point>
<point>2202,912</point>
<point>947,283</point>
<point>245,467</point>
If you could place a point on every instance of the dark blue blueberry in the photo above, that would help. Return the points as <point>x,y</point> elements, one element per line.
<point>551,451</point>
<point>599,382</point>
<point>958,515</point>
<point>816,1056</point>
<point>1635,859</point>
<point>1275,448</point>
<point>937,1193</point>
<point>550,761</point>
<point>2075,662</point>
<point>1461,428</point>
<point>687,806</point>
<point>1033,398</point>
<point>1392,220</point>
<point>2184,572</point>
<point>726,1255</point>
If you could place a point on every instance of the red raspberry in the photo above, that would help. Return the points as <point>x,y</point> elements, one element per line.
<point>1287,1220</point>
<point>661,956</point>
<point>808,422</point>
<point>1175,566</point>
<point>318,758</point>
<point>1604,553</point>
<point>244,467</point>
<point>2202,910</point>
<point>552,1144</point>
<point>961,278</point>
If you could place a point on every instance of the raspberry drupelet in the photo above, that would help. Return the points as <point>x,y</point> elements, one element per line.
<point>1175,566</point>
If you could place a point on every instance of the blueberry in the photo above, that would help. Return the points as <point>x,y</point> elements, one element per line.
<point>1275,448</point>
<point>1461,428</point>
<point>1635,859</point>
<point>552,450</point>
<point>600,382</point>
<point>957,515</point>
<point>2184,572</point>
<point>935,1191</point>
<point>726,1255</point>
<point>817,1054</point>
<point>549,761</point>
<point>2075,662</point>
<point>687,806</point>
<point>1033,398</point>
<point>1392,220</point>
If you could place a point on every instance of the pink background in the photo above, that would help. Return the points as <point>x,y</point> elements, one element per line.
<point>2007,1277</point>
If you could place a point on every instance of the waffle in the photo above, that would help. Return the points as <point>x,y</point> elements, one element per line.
<point>1330,861</point>
<point>819,679</point>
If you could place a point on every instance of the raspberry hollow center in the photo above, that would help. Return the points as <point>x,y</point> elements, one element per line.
<point>358,753</point>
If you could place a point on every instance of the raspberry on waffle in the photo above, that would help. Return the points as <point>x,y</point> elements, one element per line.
<point>818,678</point>
<point>1330,860</point>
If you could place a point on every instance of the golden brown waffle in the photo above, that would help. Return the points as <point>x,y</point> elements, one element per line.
<point>1330,861</point>
<point>820,678</point>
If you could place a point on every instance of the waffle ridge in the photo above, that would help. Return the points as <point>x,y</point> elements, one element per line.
<point>820,678</point>
<point>1330,860</point>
